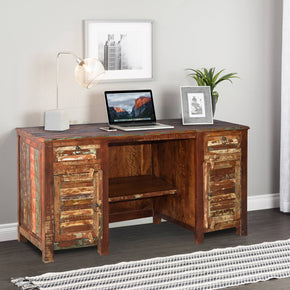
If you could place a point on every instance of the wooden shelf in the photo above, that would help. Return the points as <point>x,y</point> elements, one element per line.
<point>138,187</point>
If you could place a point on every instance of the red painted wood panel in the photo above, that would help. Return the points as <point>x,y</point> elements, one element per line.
<point>37,174</point>
<point>30,187</point>
<point>32,190</point>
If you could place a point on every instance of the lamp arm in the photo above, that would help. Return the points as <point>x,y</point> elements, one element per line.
<point>78,60</point>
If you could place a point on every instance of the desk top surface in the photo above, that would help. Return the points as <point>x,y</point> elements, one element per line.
<point>93,130</point>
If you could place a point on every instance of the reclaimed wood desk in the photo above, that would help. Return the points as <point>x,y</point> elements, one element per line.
<point>72,184</point>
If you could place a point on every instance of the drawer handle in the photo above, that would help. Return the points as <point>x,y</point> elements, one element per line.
<point>78,150</point>
<point>97,207</point>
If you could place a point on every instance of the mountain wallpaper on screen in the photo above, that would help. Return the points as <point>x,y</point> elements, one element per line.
<point>141,109</point>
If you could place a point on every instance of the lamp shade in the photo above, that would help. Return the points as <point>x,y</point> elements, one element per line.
<point>88,72</point>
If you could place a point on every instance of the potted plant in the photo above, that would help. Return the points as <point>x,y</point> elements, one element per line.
<point>207,77</point>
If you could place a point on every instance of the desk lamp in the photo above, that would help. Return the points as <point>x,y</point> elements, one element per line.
<point>88,73</point>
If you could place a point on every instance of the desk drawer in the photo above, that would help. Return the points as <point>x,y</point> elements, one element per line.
<point>223,143</point>
<point>76,153</point>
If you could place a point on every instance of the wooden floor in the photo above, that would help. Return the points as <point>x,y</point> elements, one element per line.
<point>143,242</point>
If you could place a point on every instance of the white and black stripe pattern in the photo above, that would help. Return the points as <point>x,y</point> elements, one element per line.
<point>215,269</point>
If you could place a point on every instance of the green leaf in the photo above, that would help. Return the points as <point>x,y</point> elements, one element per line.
<point>211,74</point>
<point>217,75</point>
<point>227,77</point>
<point>198,81</point>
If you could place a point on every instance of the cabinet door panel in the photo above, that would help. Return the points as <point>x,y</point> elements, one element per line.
<point>78,202</point>
<point>222,194</point>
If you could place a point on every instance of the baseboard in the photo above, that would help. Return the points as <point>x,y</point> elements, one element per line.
<point>136,222</point>
<point>8,232</point>
<point>264,201</point>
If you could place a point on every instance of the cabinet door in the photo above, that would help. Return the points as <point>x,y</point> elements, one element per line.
<point>222,194</point>
<point>78,208</point>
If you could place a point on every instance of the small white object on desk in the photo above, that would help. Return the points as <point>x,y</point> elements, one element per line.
<point>56,120</point>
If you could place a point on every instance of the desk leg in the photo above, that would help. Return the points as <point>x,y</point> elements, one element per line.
<point>47,252</point>
<point>156,220</point>
<point>48,232</point>
<point>198,237</point>
<point>103,248</point>
<point>242,228</point>
<point>21,239</point>
<point>103,245</point>
<point>244,199</point>
<point>47,203</point>
<point>199,190</point>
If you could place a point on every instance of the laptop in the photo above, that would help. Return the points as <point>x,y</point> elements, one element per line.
<point>132,110</point>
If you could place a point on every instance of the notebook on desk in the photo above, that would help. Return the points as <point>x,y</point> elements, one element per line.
<point>132,110</point>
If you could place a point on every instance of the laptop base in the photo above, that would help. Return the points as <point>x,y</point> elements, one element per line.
<point>156,126</point>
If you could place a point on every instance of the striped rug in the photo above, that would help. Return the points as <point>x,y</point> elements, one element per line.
<point>215,269</point>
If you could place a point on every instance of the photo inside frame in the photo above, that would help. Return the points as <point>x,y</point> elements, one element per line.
<point>196,106</point>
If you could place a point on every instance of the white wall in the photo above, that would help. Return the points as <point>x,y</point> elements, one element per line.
<point>242,36</point>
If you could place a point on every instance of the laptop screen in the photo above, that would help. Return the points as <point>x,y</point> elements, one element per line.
<point>130,106</point>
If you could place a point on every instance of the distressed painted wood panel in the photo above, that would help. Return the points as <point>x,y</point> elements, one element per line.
<point>90,133</point>
<point>78,208</point>
<point>30,187</point>
<point>76,153</point>
<point>222,182</point>
<point>38,191</point>
<point>75,167</point>
<point>222,144</point>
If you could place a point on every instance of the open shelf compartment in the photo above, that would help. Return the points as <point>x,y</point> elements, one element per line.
<point>138,187</point>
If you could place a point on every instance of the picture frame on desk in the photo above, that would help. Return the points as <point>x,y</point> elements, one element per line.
<point>196,105</point>
<point>125,48</point>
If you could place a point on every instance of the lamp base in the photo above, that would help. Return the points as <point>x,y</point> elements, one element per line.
<point>55,120</point>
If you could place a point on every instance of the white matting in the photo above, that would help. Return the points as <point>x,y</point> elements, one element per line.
<point>215,269</point>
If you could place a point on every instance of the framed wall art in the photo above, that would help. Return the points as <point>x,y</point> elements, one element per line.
<point>124,48</point>
<point>196,105</point>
